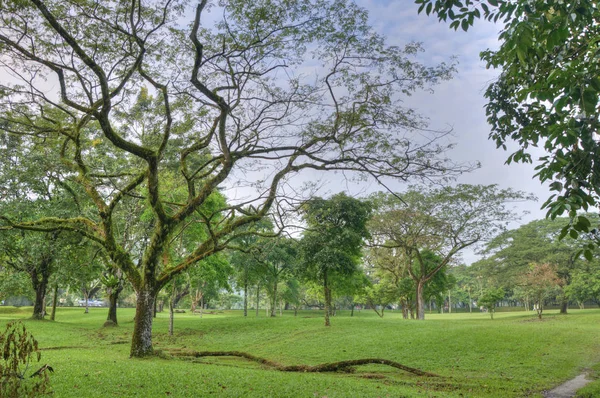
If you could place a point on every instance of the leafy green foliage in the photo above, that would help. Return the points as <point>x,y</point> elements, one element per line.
<point>489,298</point>
<point>547,94</point>
<point>508,256</point>
<point>333,241</point>
<point>332,246</point>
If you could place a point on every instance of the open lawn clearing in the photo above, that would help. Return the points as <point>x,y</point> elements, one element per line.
<point>512,356</point>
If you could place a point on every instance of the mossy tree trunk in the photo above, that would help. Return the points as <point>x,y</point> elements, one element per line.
<point>141,344</point>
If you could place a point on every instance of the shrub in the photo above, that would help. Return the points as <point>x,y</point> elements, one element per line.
<point>19,350</point>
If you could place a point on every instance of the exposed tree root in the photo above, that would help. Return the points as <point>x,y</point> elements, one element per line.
<point>324,367</point>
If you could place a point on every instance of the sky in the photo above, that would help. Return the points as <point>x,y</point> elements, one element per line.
<point>459,103</point>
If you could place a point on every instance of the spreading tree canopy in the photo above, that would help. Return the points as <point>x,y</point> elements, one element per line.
<point>152,108</point>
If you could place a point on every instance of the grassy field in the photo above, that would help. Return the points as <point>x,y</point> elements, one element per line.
<point>515,355</point>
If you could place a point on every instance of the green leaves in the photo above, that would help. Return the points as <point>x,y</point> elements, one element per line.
<point>548,55</point>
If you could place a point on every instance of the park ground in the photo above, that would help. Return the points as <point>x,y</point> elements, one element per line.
<point>514,355</point>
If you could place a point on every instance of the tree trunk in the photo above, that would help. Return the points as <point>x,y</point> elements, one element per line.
<point>171,317</point>
<point>257,298</point>
<point>404,304</point>
<point>470,302</point>
<point>352,310</point>
<point>327,294</point>
<point>141,344</point>
<point>245,298</point>
<point>40,287</point>
<point>113,297</point>
<point>39,275</point>
<point>274,301</point>
<point>449,303</point>
<point>54,300</point>
<point>564,304</point>
<point>420,302</point>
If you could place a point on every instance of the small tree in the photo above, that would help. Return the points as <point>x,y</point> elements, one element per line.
<point>332,245</point>
<point>542,281</point>
<point>489,298</point>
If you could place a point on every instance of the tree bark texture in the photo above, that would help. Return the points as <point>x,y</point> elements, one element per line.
<point>141,344</point>
<point>420,302</point>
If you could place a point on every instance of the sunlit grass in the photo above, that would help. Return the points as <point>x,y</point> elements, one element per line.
<point>513,355</point>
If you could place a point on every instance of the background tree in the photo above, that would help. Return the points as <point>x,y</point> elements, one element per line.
<point>585,284</point>
<point>332,244</point>
<point>509,255</point>
<point>440,221</point>
<point>542,282</point>
<point>546,94</point>
<point>275,259</point>
<point>490,298</point>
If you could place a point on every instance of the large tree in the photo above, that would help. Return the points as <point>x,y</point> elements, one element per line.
<point>547,93</point>
<point>442,221</point>
<point>152,97</point>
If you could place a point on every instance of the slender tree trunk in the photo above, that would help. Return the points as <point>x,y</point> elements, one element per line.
<point>257,298</point>
<point>245,298</point>
<point>141,344</point>
<point>404,305</point>
<point>194,302</point>
<point>171,317</point>
<point>470,302</point>
<point>352,310</point>
<point>172,303</point>
<point>54,300</point>
<point>326,293</point>
<point>449,303</point>
<point>274,300</point>
<point>420,302</point>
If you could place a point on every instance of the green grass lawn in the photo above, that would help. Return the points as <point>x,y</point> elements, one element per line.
<point>514,355</point>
